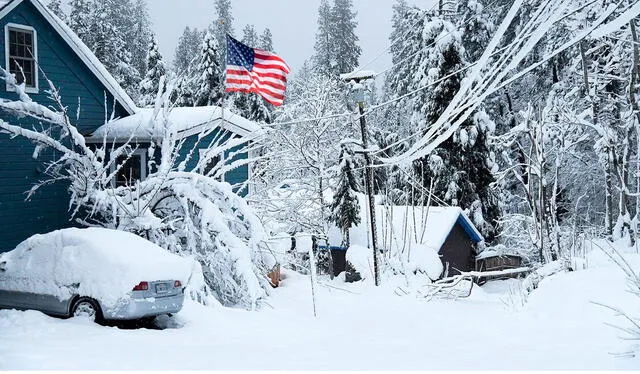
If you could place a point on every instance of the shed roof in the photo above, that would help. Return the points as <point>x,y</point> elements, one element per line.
<point>403,226</point>
<point>437,226</point>
<point>83,52</point>
<point>187,121</point>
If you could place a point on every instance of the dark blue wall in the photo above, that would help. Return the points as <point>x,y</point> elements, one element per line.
<point>235,177</point>
<point>48,209</point>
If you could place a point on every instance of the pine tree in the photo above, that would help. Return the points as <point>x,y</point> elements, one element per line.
<point>406,43</point>
<point>150,85</point>
<point>187,51</point>
<point>209,81</point>
<point>80,20</point>
<point>250,36</point>
<point>322,59</point>
<point>185,64</point>
<point>140,37</point>
<point>223,25</point>
<point>477,28</point>
<point>56,7</point>
<point>345,208</point>
<point>184,91</point>
<point>109,31</point>
<point>266,40</point>
<point>464,176</point>
<point>346,51</point>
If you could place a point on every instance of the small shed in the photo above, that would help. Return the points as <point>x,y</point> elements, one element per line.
<point>445,230</point>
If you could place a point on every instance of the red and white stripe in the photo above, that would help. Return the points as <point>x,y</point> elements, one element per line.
<point>267,79</point>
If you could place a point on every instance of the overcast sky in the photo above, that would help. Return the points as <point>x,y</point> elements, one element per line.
<point>292,22</point>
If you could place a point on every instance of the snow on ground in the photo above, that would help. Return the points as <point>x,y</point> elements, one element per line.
<point>358,327</point>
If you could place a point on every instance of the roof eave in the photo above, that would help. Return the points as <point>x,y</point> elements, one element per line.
<point>103,76</point>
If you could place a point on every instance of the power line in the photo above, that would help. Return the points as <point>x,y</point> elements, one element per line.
<point>393,43</point>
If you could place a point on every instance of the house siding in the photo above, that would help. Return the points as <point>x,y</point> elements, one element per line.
<point>236,177</point>
<point>47,209</point>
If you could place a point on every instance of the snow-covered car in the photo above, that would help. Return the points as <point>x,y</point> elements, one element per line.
<point>94,272</point>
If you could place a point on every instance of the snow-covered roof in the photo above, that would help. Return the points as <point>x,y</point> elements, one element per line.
<point>85,54</point>
<point>500,251</point>
<point>395,226</point>
<point>187,121</point>
<point>358,74</point>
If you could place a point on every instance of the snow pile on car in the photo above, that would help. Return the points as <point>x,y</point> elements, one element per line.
<point>95,262</point>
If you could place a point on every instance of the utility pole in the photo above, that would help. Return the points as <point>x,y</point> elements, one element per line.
<point>357,89</point>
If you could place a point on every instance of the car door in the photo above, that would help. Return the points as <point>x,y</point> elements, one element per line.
<point>27,281</point>
<point>10,295</point>
<point>43,260</point>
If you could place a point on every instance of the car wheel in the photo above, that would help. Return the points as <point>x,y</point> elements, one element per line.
<point>86,308</point>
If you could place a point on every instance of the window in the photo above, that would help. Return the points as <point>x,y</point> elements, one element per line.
<point>133,168</point>
<point>211,165</point>
<point>21,54</point>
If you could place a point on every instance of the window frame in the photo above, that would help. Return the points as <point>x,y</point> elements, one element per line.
<point>142,152</point>
<point>18,27</point>
<point>202,152</point>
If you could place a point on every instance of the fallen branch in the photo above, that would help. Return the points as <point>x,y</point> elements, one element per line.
<point>496,273</point>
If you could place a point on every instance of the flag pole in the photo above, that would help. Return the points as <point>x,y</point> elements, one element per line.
<point>224,83</point>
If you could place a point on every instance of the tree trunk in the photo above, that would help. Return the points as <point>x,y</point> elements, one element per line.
<point>633,82</point>
<point>608,220</point>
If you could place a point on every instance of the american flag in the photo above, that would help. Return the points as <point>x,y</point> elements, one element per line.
<point>254,70</point>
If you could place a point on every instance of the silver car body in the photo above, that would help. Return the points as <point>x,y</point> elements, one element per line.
<point>160,297</point>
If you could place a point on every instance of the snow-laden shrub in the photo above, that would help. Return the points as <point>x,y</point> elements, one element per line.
<point>194,215</point>
<point>180,210</point>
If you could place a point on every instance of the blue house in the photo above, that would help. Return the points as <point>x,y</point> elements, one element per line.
<point>38,43</point>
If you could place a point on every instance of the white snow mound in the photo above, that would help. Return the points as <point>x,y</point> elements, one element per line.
<point>361,258</point>
<point>425,259</point>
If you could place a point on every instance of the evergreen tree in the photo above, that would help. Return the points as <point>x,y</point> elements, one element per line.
<point>345,208</point>
<point>463,175</point>
<point>322,59</point>
<point>109,32</point>
<point>150,85</point>
<point>266,40</point>
<point>184,91</point>
<point>223,25</point>
<point>56,7</point>
<point>250,36</point>
<point>477,29</point>
<point>140,36</point>
<point>187,51</point>
<point>209,74</point>
<point>336,48</point>
<point>346,51</point>
<point>185,66</point>
<point>80,20</point>
<point>406,42</point>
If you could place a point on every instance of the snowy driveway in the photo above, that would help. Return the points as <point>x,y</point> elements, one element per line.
<point>559,328</point>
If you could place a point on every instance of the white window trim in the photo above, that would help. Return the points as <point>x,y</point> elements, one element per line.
<point>36,68</point>
<point>202,154</point>
<point>143,165</point>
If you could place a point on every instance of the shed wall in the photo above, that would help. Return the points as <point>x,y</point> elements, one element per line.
<point>457,252</point>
